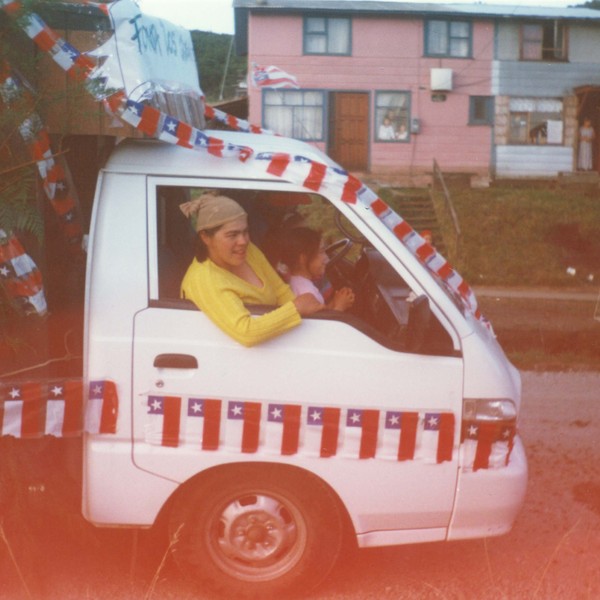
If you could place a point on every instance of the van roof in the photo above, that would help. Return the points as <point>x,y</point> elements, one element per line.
<point>155,157</point>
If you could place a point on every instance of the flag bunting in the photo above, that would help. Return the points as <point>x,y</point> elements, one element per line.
<point>309,430</point>
<point>56,408</point>
<point>312,175</point>
<point>20,277</point>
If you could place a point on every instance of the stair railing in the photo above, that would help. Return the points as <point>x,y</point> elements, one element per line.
<point>448,204</point>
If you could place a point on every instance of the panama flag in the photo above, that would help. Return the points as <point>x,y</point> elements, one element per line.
<point>323,430</point>
<point>242,431</point>
<point>360,435</point>
<point>437,437</point>
<point>282,431</point>
<point>399,435</point>
<point>203,423</point>
<point>102,407</point>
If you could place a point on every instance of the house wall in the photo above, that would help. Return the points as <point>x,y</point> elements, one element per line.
<point>387,54</point>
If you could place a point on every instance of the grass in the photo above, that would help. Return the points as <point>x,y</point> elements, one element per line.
<point>528,236</point>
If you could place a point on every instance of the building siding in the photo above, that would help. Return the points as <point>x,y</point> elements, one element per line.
<point>533,161</point>
<point>388,55</point>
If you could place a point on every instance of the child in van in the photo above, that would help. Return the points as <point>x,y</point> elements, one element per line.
<point>303,253</point>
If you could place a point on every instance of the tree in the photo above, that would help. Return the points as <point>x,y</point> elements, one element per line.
<point>221,70</point>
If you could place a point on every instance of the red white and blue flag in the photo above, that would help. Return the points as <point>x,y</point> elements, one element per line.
<point>242,430</point>
<point>203,424</point>
<point>282,431</point>
<point>361,433</point>
<point>35,409</point>
<point>322,434</point>
<point>272,77</point>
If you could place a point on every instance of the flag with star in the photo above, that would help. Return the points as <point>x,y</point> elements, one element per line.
<point>64,408</point>
<point>102,407</point>
<point>322,431</point>
<point>399,435</point>
<point>487,445</point>
<point>361,433</point>
<point>282,430</point>
<point>23,413</point>
<point>437,437</point>
<point>242,431</point>
<point>163,423</point>
<point>203,423</point>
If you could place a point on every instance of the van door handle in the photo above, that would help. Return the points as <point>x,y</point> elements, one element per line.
<point>176,361</point>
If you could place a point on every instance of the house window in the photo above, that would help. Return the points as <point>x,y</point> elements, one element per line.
<point>327,35</point>
<point>543,41</point>
<point>536,121</point>
<point>392,114</point>
<point>295,113</point>
<point>481,110</point>
<point>448,38</point>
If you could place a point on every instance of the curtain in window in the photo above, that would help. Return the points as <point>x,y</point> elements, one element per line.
<point>339,36</point>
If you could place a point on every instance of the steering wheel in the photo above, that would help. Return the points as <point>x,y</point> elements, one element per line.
<point>337,250</point>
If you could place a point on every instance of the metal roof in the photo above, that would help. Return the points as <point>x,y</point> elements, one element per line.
<point>372,7</point>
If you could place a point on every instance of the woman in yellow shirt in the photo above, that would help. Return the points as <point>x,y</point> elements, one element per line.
<point>229,272</point>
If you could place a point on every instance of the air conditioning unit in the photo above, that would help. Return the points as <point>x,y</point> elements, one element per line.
<point>441,80</point>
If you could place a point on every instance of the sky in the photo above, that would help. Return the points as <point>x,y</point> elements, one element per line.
<point>217,15</point>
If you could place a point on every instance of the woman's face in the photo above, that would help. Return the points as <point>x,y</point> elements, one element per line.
<point>228,245</point>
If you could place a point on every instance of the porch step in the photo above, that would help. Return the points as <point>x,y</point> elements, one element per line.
<point>419,212</point>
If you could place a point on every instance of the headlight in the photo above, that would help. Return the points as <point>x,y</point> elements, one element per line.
<point>489,409</point>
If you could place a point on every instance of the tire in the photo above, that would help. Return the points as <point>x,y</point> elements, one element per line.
<point>257,531</point>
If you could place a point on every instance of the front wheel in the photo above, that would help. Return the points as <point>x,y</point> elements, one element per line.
<point>257,530</point>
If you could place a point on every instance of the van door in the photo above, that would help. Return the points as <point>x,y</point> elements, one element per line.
<point>379,423</point>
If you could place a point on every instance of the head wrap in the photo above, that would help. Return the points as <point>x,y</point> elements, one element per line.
<point>211,210</point>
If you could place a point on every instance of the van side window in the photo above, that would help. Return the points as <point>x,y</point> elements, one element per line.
<point>385,308</point>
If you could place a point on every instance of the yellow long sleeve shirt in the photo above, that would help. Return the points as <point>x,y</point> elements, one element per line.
<point>222,296</point>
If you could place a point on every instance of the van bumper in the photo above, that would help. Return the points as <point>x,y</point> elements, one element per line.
<point>488,500</point>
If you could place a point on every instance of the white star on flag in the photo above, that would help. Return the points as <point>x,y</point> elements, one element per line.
<point>57,391</point>
<point>315,416</point>
<point>196,407</point>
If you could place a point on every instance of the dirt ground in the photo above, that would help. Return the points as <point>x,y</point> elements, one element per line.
<point>553,551</point>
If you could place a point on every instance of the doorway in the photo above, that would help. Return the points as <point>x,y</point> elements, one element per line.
<point>349,129</point>
<point>588,107</point>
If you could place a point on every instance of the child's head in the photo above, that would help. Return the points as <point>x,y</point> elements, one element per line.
<point>303,252</point>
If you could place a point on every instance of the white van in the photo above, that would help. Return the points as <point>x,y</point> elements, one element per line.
<point>390,424</point>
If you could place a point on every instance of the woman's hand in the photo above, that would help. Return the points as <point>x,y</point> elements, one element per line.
<point>307,304</point>
<point>343,299</point>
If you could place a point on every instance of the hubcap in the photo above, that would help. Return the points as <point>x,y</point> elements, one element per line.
<point>258,537</point>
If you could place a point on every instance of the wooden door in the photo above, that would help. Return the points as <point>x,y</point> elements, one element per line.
<point>349,130</point>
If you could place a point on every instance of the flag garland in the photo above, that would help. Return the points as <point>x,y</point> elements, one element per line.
<point>328,432</point>
<point>20,276</point>
<point>56,408</point>
<point>312,175</point>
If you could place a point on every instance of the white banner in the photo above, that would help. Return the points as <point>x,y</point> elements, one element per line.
<point>147,54</point>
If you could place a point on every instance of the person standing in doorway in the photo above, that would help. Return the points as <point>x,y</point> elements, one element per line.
<point>586,137</point>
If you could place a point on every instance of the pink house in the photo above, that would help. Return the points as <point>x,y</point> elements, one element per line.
<point>387,87</point>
